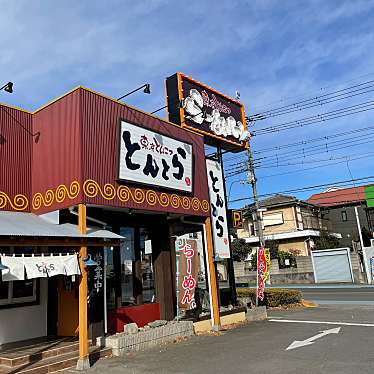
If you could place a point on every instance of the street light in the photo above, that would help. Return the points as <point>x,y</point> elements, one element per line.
<point>146,89</point>
<point>8,87</point>
<point>232,183</point>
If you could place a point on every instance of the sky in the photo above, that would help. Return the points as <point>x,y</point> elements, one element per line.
<point>274,52</point>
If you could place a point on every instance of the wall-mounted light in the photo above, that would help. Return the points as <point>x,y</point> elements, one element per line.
<point>146,89</point>
<point>36,136</point>
<point>179,105</point>
<point>7,87</point>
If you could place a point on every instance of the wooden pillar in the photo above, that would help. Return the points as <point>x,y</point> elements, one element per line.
<point>162,268</point>
<point>212,274</point>
<point>83,362</point>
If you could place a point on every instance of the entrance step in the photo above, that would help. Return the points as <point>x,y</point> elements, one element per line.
<point>56,363</point>
<point>30,353</point>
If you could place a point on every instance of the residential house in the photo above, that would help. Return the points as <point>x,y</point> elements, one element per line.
<point>295,224</point>
<point>349,210</point>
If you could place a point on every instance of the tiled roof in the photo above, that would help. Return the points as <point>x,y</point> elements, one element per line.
<point>339,197</point>
<point>277,200</point>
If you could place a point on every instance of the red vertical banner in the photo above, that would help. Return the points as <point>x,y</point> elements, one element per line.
<point>188,272</point>
<point>263,268</point>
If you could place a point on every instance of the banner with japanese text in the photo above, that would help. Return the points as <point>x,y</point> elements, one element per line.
<point>218,209</point>
<point>188,269</point>
<point>263,268</point>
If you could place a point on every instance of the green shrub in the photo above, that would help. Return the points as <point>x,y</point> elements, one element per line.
<point>273,296</point>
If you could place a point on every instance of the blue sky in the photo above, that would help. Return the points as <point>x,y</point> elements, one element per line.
<point>274,52</point>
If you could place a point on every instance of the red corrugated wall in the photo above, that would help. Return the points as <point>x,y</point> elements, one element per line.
<point>15,158</point>
<point>57,158</point>
<point>79,143</point>
<point>100,119</point>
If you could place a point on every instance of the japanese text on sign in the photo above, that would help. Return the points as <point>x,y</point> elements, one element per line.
<point>188,270</point>
<point>148,157</point>
<point>218,209</point>
<point>98,277</point>
<point>263,267</point>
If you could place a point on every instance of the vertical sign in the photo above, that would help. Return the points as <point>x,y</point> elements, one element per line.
<point>218,209</point>
<point>263,267</point>
<point>96,293</point>
<point>188,269</point>
<point>372,268</point>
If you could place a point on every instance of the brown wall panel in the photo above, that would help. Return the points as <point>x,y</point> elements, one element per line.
<point>15,158</point>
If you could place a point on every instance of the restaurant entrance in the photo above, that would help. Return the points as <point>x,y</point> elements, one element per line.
<point>131,278</point>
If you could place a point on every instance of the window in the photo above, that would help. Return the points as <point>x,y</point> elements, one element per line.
<point>344,216</point>
<point>110,278</point>
<point>148,279</point>
<point>18,292</point>
<point>272,219</point>
<point>127,260</point>
<point>137,273</point>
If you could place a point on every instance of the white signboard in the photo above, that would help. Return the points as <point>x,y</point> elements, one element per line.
<point>148,157</point>
<point>218,209</point>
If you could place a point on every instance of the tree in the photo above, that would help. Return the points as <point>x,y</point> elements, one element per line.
<point>273,246</point>
<point>240,249</point>
<point>326,241</point>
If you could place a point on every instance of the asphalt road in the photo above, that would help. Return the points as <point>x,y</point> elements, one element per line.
<point>261,347</point>
<point>339,295</point>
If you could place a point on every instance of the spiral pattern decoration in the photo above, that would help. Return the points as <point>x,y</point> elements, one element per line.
<point>19,202</point>
<point>108,191</point>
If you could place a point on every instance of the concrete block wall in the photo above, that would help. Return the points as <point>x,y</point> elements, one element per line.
<point>121,343</point>
<point>302,274</point>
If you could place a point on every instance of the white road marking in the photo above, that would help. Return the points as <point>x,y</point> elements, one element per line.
<point>323,322</point>
<point>309,341</point>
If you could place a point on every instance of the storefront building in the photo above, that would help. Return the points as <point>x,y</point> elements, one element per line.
<point>135,181</point>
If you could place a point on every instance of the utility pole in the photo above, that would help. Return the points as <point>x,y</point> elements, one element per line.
<point>258,221</point>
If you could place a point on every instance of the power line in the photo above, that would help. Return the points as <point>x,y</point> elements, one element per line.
<point>243,169</point>
<point>327,116</point>
<point>285,99</point>
<point>322,138</point>
<point>312,168</point>
<point>275,160</point>
<point>327,98</point>
<point>304,142</point>
<point>308,188</point>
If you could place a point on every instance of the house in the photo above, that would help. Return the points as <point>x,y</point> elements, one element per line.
<point>349,211</point>
<point>293,223</point>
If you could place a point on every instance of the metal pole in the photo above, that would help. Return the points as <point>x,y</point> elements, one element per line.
<point>359,228</point>
<point>230,264</point>
<point>258,221</point>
